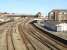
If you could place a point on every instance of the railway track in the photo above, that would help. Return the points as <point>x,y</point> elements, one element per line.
<point>9,38</point>
<point>53,45</point>
<point>21,35</point>
<point>27,34</point>
<point>28,44</point>
<point>45,34</point>
<point>49,41</point>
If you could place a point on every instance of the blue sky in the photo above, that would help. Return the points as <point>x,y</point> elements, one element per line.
<point>31,6</point>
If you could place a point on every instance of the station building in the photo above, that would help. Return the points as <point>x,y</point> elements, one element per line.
<point>57,20</point>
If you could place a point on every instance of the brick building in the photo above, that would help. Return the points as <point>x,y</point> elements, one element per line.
<point>58,14</point>
<point>57,20</point>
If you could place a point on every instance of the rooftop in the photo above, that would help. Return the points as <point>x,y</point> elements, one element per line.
<point>65,10</point>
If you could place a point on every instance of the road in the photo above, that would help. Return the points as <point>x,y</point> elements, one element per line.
<point>21,35</point>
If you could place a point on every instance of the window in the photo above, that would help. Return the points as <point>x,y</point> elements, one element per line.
<point>51,13</point>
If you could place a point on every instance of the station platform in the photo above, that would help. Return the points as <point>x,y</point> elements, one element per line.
<point>60,36</point>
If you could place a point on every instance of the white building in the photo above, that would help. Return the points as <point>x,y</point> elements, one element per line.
<point>62,27</point>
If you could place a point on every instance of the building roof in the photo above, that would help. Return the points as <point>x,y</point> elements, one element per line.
<point>65,10</point>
